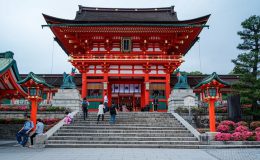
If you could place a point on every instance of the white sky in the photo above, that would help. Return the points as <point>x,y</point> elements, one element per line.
<point>21,30</point>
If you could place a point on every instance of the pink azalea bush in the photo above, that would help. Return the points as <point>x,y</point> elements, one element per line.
<point>257,129</point>
<point>255,124</point>
<point>13,108</point>
<point>223,128</point>
<point>241,136</point>
<point>241,123</point>
<point>222,136</point>
<point>230,131</point>
<point>257,135</point>
<point>241,129</point>
<point>231,124</point>
<point>50,121</point>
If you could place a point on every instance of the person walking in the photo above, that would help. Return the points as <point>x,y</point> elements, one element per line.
<point>38,130</point>
<point>101,109</point>
<point>155,103</point>
<point>23,134</point>
<point>69,118</point>
<point>105,104</point>
<point>85,105</point>
<point>113,113</point>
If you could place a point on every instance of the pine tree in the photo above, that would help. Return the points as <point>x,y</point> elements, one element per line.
<point>247,64</point>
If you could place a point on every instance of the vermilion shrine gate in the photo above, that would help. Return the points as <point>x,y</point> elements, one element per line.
<point>128,53</point>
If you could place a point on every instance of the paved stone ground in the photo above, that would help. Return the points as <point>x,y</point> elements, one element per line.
<point>10,152</point>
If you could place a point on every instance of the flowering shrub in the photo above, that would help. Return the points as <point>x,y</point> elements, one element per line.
<point>222,136</point>
<point>13,108</point>
<point>50,121</point>
<point>242,123</point>
<point>257,136</point>
<point>223,128</point>
<point>255,124</point>
<point>221,110</point>
<point>21,121</point>
<point>241,129</point>
<point>241,132</point>
<point>52,109</point>
<point>229,123</point>
<point>237,136</point>
<point>257,129</point>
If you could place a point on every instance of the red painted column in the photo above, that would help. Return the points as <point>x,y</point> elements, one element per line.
<point>142,95</point>
<point>109,95</point>
<point>212,119</point>
<point>105,81</point>
<point>34,111</point>
<point>146,91</point>
<point>167,86</point>
<point>84,85</point>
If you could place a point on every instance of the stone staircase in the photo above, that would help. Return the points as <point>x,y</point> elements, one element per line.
<point>132,130</point>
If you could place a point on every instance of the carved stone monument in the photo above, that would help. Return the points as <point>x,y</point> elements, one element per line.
<point>68,96</point>
<point>68,80</point>
<point>180,93</point>
<point>182,81</point>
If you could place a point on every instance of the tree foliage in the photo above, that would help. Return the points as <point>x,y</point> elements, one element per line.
<point>247,64</point>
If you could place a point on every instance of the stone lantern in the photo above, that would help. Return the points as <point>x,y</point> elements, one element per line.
<point>35,86</point>
<point>210,88</point>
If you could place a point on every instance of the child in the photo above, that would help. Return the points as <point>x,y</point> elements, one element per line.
<point>68,118</point>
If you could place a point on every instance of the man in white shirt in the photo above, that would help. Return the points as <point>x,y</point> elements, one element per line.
<point>38,130</point>
<point>101,108</point>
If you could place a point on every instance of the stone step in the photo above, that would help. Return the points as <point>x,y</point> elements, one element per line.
<point>96,138</point>
<point>127,134</point>
<point>111,127</point>
<point>142,129</point>
<point>126,124</point>
<point>123,142</point>
<point>128,120</point>
<point>123,123</point>
<point>122,146</point>
<point>120,131</point>
<point>126,116</point>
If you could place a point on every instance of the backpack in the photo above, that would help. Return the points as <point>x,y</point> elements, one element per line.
<point>113,110</point>
<point>106,109</point>
<point>84,105</point>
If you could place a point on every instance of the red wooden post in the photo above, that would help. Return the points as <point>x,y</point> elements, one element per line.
<point>105,92</point>
<point>146,91</point>
<point>167,86</point>
<point>34,107</point>
<point>212,119</point>
<point>84,85</point>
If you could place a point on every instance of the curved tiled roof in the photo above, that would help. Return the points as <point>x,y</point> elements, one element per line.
<point>7,61</point>
<point>126,14</point>
<point>213,76</point>
<point>92,15</point>
<point>35,78</point>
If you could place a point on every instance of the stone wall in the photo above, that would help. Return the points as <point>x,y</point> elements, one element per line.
<point>8,131</point>
<point>41,115</point>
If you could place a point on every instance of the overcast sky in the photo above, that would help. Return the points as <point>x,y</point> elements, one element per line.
<point>35,50</point>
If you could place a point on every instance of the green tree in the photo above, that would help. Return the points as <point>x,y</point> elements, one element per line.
<point>247,64</point>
